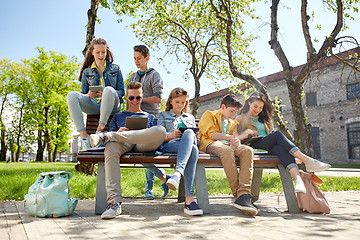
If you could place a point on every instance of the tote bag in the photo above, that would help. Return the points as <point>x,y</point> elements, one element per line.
<point>313,201</point>
<point>49,195</point>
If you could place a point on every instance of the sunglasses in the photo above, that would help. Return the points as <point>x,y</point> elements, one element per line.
<point>179,92</point>
<point>131,98</point>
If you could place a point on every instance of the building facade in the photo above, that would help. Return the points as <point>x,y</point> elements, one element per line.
<point>331,102</point>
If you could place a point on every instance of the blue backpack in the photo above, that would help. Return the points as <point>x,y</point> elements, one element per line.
<point>49,195</point>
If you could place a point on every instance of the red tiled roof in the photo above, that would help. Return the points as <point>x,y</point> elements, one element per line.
<point>327,62</point>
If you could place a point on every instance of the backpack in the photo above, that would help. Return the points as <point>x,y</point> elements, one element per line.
<point>313,201</point>
<point>49,195</point>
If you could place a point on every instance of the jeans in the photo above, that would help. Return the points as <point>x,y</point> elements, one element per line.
<point>277,144</point>
<point>144,140</point>
<point>79,103</point>
<point>187,156</point>
<point>150,172</point>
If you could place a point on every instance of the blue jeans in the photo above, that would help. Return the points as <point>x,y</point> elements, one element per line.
<point>187,156</point>
<point>150,174</point>
<point>79,103</point>
<point>277,144</point>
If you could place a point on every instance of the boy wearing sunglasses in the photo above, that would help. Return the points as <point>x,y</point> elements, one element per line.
<point>119,140</point>
<point>152,86</point>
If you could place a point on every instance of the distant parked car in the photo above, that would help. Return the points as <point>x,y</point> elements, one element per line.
<point>60,160</point>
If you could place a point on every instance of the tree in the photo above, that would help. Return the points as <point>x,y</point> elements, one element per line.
<point>224,12</point>
<point>8,74</point>
<point>92,19</point>
<point>187,31</point>
<point>52,76</point>
<point>20,131</point>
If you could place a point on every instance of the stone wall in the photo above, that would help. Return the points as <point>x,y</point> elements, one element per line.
<point>331,114</point>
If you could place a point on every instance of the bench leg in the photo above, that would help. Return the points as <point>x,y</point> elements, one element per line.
<point>256,183</point>
<point>289,191</point>
<point>201,188</point>
<point>100,200</point>
<point>181,191</point>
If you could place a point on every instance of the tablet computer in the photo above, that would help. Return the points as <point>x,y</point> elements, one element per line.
<point>253,139</point>
<point>136,123</point>
<point>96,88</point>
<point>195,129</point>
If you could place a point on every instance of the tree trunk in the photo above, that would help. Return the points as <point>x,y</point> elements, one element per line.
<point>12,158</point>
<point>2,142</point>
<point>302,130</point>
<point>2,133</point>
<point>40,149</point>
<point>54,154</point>
<point>196,97</point>
<point>19,132</point>
<point>92,15</point>
<point>47,136</point>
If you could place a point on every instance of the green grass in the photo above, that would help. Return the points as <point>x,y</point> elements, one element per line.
<point>345,165</point>
<point>16,178</point>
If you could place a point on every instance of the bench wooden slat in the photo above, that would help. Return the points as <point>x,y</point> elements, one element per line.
<point>92,122</point>
<point>169,158</point>
<point>261,161</point>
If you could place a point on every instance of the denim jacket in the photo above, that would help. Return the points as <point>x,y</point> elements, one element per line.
<point>169,120</point>
<point>112,77</point>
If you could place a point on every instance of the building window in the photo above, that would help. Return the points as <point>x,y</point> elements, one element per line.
<point>353,131</point>
<point>311,99</point>
<point>353,91</point>
<point>315,134</point>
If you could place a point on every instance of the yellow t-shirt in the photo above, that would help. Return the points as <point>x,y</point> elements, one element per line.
<point>102,82</point>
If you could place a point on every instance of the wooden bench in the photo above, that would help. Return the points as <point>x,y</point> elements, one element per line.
<point>261,162</point>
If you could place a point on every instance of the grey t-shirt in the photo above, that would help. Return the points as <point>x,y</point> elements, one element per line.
<point>152,85</point>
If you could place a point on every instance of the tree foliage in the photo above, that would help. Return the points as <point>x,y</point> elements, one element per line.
<point>35,102</point>
<point>225,14</point>
<point>188,32</point>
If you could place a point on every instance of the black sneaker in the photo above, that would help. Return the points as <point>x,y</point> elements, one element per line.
<point>244,204</point>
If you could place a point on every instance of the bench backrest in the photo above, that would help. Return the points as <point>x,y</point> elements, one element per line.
<point>92,122</point>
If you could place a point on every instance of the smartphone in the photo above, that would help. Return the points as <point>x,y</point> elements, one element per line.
<point>96,88</point>
<point>195,129</point>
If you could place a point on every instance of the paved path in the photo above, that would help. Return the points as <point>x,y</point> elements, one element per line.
<point>335,172</point>
<point>164,219</point>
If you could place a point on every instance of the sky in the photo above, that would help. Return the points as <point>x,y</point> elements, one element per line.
<point>61,26</point>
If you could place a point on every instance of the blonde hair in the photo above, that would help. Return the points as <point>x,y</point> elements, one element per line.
<point>178,92</point>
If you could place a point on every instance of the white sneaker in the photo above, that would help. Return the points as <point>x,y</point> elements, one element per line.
<point>97,140</point>
<point>299,185</point>
<point>112,210</point>
<point>316,166</point>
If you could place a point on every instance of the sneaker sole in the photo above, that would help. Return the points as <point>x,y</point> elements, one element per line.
<point>318,170</point>
<point>246,210</point>
<point>110,217</point>
<point>194,212</point>
<point>173,185</point>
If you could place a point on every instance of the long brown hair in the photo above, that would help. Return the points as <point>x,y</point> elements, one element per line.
<point>178,92</point>
<point>268,109</point>
<point>89,58</point>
